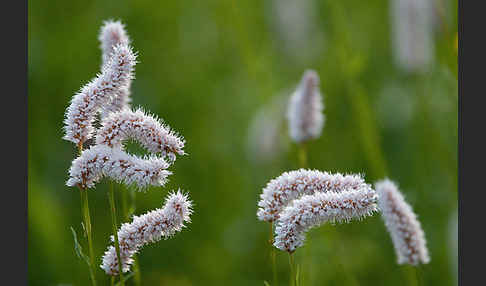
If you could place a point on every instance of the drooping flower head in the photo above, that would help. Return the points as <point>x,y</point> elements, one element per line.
<point>146,129</point>
<point>102,161</point>
<point>280,191</point>
<point>80,114</point>
<point>402,224</point>
<point>305,109</point>
<point>313,210</point>
<point>113,33</point>
<point>148,228</point>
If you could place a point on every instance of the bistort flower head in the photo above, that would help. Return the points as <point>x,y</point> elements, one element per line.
<point>148,228</point>
<point>305,109</point>
<point>280,191</point>
<point>113,33</point>
<point>80,114</point>
<point>313,210</point>
<point>402,224</point>
<point>102,161</point>
<point>146,129</point>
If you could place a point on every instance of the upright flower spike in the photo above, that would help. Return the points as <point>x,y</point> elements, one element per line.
<point>305,109</point>
<point>146,129</point>
<point>313,210</point>
<point>280,191</point>
<point>80,114</point>
<point>102,161</point>
<point>113,33</point>
<point>402,224</point>
<point>148,228</point>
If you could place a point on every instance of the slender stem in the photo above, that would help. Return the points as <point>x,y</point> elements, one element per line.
<point>411,275</point>
<point>136,271</point>
<point>112,281</point>
<point>273,256</point>
<point>128,211</point>
<point>87,229</point>
<point>87,225</point>
<point>303,155</point>
<point>111,198</point>
<point>292,271</point>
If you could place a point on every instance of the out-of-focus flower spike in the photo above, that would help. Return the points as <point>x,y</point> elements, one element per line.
<point>146,129</point>
<point>102,161</point>
<point>148,228</point>
<point>305,108</point>
<point>313,210</point>
<point>80,114</point>
<point>280,191</point>
<point>402,224</point>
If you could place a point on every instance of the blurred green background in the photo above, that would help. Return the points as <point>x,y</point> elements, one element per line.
<point>219,72</point>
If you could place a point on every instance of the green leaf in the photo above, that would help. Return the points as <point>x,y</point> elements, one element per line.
<point>266,283</point>
<point>78,249</point>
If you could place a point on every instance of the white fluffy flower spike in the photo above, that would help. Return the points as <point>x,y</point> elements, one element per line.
<point>313,210</point>
<point>291,185</point>
<point>305,109</point>
<point>102,161</point>
<point>405,230</point>
<point>148,228</point>
<point>145,129</point>
<point>113,33</point>
<point>80,114</point>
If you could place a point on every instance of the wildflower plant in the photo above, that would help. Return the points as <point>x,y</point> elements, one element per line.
<point>107,97</point>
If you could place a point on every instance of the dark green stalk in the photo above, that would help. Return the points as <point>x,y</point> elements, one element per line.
<point>111,198</point>
<point>128,211</point>
<point>273,256</point>
<point>292,271</point>
<point>303,155</point>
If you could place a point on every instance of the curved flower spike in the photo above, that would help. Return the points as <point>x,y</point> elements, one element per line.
<point>305,109</point>
<point>313,210</point>
<point>402,224</point>
<point>148,228</point>
<point>80,114</point>
<point>113,33</point>
<point>102,161</point>
<point>147,130</point>
<point>291,185</point>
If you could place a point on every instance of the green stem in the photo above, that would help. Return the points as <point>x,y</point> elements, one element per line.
<point>411,275</point>
<point>128,210</point>
<point>303,155</point>
<point>273,257</point>
<point>111,198</point>
<point>87,229</point>
<point>292,271</point>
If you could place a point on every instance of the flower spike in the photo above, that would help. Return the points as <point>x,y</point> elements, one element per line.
<point>402,224</point>
<point>313,210</point>
<point>116,73</point>
<point>148,228</point>
<point>305,109</point>
<point>280,191</point>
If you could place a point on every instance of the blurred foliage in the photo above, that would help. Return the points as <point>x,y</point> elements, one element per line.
<point>206,67</point>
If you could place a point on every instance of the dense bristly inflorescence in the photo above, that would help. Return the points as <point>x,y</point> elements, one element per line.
<point>113,33</point>
<point>102,161</point>
<point>148,228</point>
<point>291,185</point>
<point>145,129</point>
<point>313,210</point>
<point>405,230</point>
<point>305,109</point>
<point>88,102</point>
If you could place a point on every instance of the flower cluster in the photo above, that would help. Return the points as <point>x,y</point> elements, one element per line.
<point>313,210</point>
<point>293,184</point>
<point>305,109</point>
<point>87,103</point>
<point>302,199</point>
<point>402,224</point>
<point>147,228</point>
<point>102,161</point>
<point>113,33</point>
<point>107,158</point>
<point>145,129</point>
